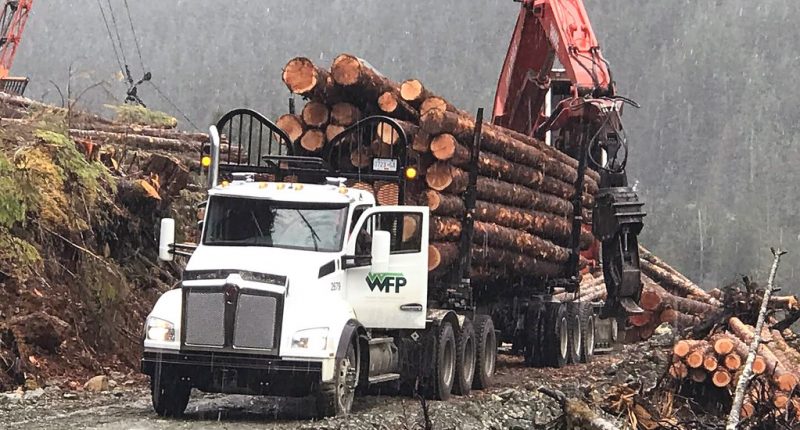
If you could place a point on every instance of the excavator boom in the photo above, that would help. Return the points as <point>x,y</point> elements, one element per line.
<point>12,24</point>
<point>587,126</point>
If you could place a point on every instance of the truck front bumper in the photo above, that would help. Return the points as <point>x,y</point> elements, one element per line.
<point>234,373</point>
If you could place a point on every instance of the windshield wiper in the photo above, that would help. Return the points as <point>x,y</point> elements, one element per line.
<point>314,234</point>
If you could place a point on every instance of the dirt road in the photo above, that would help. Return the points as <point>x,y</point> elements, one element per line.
<point>513,403</point>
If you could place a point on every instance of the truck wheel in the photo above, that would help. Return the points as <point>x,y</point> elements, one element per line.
<point>556,337</point>
<point>445,371</point>
<point>169,397</point>
<point>336,398</point>
<point>485,352</point>
<point>465,359</point>
<point>575,332</point>
<point>587,328</point>
<point>533,335</point>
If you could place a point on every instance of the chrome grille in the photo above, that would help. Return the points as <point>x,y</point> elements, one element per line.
<point>205,318</point>
<point>255,322</point>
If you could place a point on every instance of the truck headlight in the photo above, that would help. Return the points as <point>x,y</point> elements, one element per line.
<point>161,330</point>
<point>313,338</point>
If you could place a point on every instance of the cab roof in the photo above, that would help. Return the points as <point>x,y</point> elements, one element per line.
<point>292,192</point>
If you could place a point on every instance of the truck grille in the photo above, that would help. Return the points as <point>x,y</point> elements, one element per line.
<point>255,322</point>
<point>250,322</point>
<point>205,318</point>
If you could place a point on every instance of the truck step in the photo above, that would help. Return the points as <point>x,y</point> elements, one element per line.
<point>380,340</point>
<point>384,378</point>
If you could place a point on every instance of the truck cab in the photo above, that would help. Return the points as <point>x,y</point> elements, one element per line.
<point>301,285</point>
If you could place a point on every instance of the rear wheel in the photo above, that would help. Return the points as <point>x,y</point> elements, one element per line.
<point>465,359</point>
<point>445,372</point>
<point>587,328</point>
<point>485,352</point>
<point>556,337</point>
<point>574,332</point>
<point>336,397</point>
<point>170,397</point>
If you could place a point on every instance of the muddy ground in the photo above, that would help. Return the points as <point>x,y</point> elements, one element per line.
<point>513,403</point>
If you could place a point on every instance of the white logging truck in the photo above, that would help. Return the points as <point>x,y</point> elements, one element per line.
<point>302,285</point>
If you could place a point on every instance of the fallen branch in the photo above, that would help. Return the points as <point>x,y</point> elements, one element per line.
<point>577,413</point>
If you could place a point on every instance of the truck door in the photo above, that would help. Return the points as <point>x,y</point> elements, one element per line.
<point>394,297</point>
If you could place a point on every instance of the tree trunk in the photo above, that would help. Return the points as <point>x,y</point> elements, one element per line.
<point>669,280</point>
<point>344,114</point>
<point>436,122</point>
<point>449,229</point>
<point>361,156</point>
<point>333,130</point>
<point>445,147</point>
<point>359,77</point>
<point>292,125</point>
<point>388,135</point>
<point>313,140</point>
<point>391,104</point>
<point>316,114</point>
<point>783,377</point>
<point>412,91</point>
<point>302,77</point>
<point>421,142</point>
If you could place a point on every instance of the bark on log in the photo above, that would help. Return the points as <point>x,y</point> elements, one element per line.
<point>421,142</point>
<point>669,280</point>
<point>441,255</point>
<point>316,114</point>
<point>138,141</point>
<point>358,76</point>
<point>491,261</point>
<point>449,229</point>
<point>302,77</point>
<point>292,125</point>
<point>437,122</point>
<point>344,114</point>
<point>678,370</point>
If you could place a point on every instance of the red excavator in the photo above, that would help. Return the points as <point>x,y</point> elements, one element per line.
<point>585,123</point>
<point>12,24</point>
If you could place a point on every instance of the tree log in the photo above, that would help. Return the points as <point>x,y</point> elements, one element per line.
<point>437,122</point>
<point>302,77</point>
<point>421,142</point>
<point>344,114</point>
<point>721,378</point>
<point>292,125</point>
<point>388,135</point>
<point>313,140</point>
<point>449,229</point>
<point>783,377</point>
<point>138,141</point>
<point>391,104</point>
<point>333,130</point>
<point>493,262</point>
<point>732,362</point>
<point>412,91</point>
<point>669,280</point>
<point>361,156</point>
<point>316,114</point>
<point>698,353</point>
<point>578,414</point>
<point>358,75</point>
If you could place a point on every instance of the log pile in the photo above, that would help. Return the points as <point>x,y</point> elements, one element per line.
<point>525,188</point>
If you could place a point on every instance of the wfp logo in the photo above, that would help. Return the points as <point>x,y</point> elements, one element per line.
<point>386,281</point>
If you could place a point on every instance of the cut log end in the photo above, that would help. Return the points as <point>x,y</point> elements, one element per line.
<point>695,359</point>
<point>682,348</point>
<point>346,70</point>
<point>387,102</point>
<point>640,320</point>
<point>678,370</point>
<point>344,114</point>
<point>292,125</point>
<point>439,176</point>
<point>361,156</point>
<point>313,140</point>
<point>721,378</point>
<point>787,381</point>
<point>710,363</point>
<point>433,103</point>
<point>733,362</point>
<point>723,346</point>
<point>650,300</point>
<point>387,134</point>
<point>300,75</point>
<point>698,375</point>
<point>759,365</point>
<point>333,130</point>
<point>411,90</point>
<point>316,114</point>
<point>443,146</point>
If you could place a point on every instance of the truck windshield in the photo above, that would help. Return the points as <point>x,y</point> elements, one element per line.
<point>234,221</point>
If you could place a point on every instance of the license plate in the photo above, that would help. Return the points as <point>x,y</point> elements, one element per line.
<point>384,164</point>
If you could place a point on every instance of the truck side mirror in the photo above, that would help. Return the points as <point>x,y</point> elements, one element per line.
<point>381,247</point>
<point>166,240</point>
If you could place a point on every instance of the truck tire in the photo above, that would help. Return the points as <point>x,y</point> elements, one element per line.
<point>574,332</point>
<point>556,337</point>
<point>445,363</point>
<point>588,330</point>
<point>169,397</point>
<point>485,352</point>
<point>533,334</point>
<point>465,359</point>
<point>336,398</point>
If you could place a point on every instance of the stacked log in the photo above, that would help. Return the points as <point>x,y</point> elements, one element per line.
<point>525,188</point>
<point>723,354</point>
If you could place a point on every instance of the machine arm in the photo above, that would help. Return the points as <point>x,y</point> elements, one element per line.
<point>546,30</point>
<point>12,24</point>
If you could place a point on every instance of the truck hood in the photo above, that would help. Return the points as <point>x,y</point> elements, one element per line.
<point>301,267</point>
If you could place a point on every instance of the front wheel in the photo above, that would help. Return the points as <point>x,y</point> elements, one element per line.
<point>335,398</point>
<point>169,397</point>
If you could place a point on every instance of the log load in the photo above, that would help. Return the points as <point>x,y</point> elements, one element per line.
<point>302,77</point>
